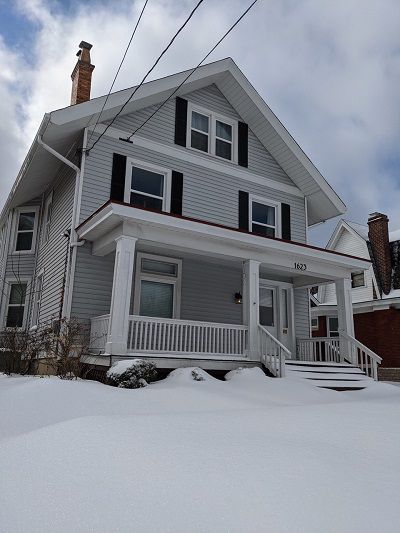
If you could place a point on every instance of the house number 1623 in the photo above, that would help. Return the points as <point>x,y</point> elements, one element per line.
<point>300,266</point>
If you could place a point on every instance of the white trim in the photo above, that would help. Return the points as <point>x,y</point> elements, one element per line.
<point>14,281</point>
<point>165,172</point>
<point>18,211</point>
<point>202,159</point>
<point>47,225</point>
<point>37,299</point>
<point>212,134</point>
<point>176,282</point>
<point>270,203</point>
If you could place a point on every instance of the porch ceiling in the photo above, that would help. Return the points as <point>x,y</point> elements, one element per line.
<point>306,264</point>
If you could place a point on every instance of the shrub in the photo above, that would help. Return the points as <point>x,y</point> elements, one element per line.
<point>132,374</point>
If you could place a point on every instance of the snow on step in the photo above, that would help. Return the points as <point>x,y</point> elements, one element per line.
<point>338,376</point>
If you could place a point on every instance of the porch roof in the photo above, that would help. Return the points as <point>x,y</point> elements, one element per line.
<point>114,219</point>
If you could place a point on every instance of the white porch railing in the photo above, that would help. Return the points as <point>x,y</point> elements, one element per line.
<point>319,349</point>
<point>272,352</point>
<point>98,333</point>
<point>362,356</point>
<point>344,348</point>
<point>185,337</point>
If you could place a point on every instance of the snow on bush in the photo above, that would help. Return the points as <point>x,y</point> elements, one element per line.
<point>184,375</point>
<point>132,374</point>
<point>254,373</point>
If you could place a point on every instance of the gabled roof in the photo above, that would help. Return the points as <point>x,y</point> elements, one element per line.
<point>60,129</point>
<point>358,230</point>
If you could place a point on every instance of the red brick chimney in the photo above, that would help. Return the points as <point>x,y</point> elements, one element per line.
<point>378,235</point>
<point>82,75</point>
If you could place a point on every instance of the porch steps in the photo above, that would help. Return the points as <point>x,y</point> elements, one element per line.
<point>334,376</point>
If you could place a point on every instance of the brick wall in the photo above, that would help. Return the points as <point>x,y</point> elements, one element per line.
<point>380,331</point>
<point>322,330</point>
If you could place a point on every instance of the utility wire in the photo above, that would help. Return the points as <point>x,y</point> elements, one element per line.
<point>119,68</point>
<point>147,74</point>
<point>128,139</point>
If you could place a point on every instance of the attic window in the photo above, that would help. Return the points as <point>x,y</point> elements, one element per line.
<point>26,228</point>
<point>212,133</point>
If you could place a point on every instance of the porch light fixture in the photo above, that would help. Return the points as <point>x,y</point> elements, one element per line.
<point>238,298</point>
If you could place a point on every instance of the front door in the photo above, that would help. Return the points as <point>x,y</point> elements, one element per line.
<point>276,311</point>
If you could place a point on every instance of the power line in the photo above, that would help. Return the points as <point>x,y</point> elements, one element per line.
<point>128,139</point>
<point>119,68</point>
<point>147,74</point>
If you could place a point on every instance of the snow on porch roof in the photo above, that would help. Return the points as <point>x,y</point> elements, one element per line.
<point>64,125</point>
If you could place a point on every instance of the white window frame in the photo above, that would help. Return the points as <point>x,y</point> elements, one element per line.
<point>46,224</point>
<point>328,327</point>
<point>37,301</point>
<point>269,203</point>
<point>212,137</point>
<point>18,211</point>
<point>166,172</point>
<point>359,286</point>
<point>314,327</point>
<point>148,276</point>
<point>9,282</point>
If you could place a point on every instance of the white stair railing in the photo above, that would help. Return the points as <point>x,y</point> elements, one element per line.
<point>362,356</point>
<point>273,353</point>
<point>189,337</point>
<point>319,349</point>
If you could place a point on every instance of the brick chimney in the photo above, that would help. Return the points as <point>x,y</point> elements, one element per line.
<point>82,75</point>
<point>378,234</point>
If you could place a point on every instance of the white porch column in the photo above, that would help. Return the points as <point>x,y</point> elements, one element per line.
<point>345,312</point>
<point>251,282</point>
<point>117,337</point>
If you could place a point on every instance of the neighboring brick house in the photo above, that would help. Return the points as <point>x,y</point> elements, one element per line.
<point>375,292</point>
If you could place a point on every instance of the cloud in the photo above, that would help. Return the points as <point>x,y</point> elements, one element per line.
<point>330,71</point>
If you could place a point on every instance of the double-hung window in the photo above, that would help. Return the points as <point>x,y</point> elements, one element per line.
<point>147,186</point>
<point>157,286</point>
<point>211,133</point>
<point>264,217</point>
<point>26,227</point>
<point>357,279</point>
<point>15,313</point>
<point>333,326</point>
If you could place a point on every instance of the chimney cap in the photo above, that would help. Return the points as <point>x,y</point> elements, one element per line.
<point>376,215</point>
<point>84,44</point>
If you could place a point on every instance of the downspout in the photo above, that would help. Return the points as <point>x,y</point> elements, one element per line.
<point>73,242</point>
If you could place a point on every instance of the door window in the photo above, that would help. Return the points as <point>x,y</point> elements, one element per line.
<point>333,326</point>
<point>267,302</point>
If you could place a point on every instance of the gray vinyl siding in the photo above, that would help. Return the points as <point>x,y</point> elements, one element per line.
<point>208,195</point>
<point>161,128</point>
<point>301,313</point>
<point>52,254</point>
<point>92,284</point>
<point>208,292</point>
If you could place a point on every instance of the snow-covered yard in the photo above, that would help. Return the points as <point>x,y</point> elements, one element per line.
<point>251,454</point>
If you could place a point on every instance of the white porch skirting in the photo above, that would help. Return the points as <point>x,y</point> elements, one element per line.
<point>175,337</point>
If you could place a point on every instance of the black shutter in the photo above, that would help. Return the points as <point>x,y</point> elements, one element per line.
<point>286,231</point>
<point>180,121</point>
<point>244,210</point>
<point>118,178</point>
<point>243,144</point>
<point>176,192</point>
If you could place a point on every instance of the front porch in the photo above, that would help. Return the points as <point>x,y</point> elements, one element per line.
<point>183,289</point>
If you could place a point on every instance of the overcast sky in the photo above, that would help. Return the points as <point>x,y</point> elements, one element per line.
<point>329,69</point>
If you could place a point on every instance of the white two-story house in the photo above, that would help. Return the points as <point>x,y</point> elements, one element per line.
<point>175,224</point>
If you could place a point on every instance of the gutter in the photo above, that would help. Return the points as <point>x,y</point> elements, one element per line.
<point>73,240</point>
